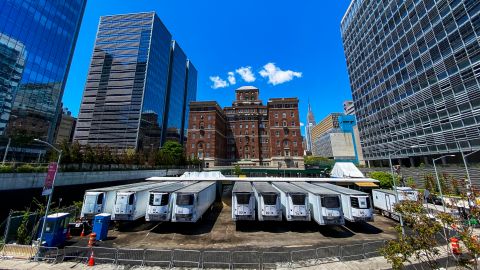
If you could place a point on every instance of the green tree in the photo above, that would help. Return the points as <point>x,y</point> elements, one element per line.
<point>429,183</point>
<point>76,153</point>
<point>385,178</point>
<point>318,161</point>
<point>237,170</point>
<point>411,182</point>
<point>89,156</point>
<point>23,234</point>
<point>172,153</point>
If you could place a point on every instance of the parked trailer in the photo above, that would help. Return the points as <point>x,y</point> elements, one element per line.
<point>294,200</point>
<point>131,203</point>
<point>385,200</point>
<point>243,201</point>
<point>325,205</point>
<point>101,200</point>
<point>356,205</point>
<point>190,203</point>
<point>160,202</point>
<point>268,201</point>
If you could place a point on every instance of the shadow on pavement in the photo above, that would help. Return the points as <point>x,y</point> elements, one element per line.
<point>362,227</point>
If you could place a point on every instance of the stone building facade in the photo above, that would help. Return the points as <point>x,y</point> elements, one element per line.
<point>248,133</point>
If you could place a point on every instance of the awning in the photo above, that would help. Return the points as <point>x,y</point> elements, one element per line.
<point>366,184</point>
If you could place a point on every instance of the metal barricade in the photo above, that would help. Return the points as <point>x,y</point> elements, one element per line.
<point>48,254</point>
<point>186,258</point>
<point>328,254</point>
<point>273,260</point>
<point>76,253</point>
<point>372,249</point>
<point>352,252</point>
<point>302,258</point>
<point>12,251</point>
<point>216,259</point>
<point>158,258</point>
<point>130,256</point>
<point>105,255</point>
<point>246,259</point>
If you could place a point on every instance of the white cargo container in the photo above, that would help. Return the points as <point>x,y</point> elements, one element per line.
<point>325,204</point>
<point>268,201</point>
<point>160,203</point>
<point>101,200</point>
<point>131,203</point>
<point>356,204</point>
<point>243,201</point>
<point>385,200</point>
<point>190,203</point>
<point>294,200</point>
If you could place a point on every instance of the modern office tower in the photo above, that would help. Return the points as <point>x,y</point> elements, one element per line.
<point>414,70</point>
<point>348,107</point>
<point>46,32</point>
<point>248,134</point>
<point>66,127</point>
<point>12,62</point>
<point>136,80</point>
<point>173,126</point>
<point>190,95</point>
<point>308,128</point>
<point>329,122</point>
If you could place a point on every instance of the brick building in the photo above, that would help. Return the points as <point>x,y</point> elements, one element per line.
<point>248,133</point>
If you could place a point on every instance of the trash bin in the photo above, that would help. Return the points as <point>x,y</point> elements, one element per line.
<point>100,226</point>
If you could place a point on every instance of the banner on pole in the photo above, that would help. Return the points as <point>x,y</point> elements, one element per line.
<point>48,185</point>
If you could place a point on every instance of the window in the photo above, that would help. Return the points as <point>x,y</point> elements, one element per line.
<point>278,143</point>
<point>292,114</point>
<point>294,133</point>
<point>294,143</point>
<point>193,136</point>
<point>209,117</point>
<point>293,123</point>
<point>208,145</point>
<point>241,126</point>
<point>277,133</point>
<point>276,124</point>
<point>194,126</point>
<point>193,145</point>
<point>284,123</point>
<point>246,125</point>
<point>276,115</point>
<point>284,115</point>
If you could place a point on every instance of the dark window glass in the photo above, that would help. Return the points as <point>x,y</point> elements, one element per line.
<point>185,199</point>
<point>298,199</point>
<point>243,198</point>
<point>331,202</point>
<point>269,199</point>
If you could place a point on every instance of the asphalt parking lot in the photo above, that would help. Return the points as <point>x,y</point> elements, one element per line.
<point>216,230</point>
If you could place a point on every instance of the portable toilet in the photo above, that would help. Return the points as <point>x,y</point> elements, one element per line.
<point>55,229</point>
<point>100,226</point>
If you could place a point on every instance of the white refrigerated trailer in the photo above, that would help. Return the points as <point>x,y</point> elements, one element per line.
<point>131,203</point>
<point>325,205</point>
<point>243,201</point>
<point>160,202</point>
<point>268,201</point>
<point>101,200</point>
<point>356,204</point>
<point>294,200</point>
<point>385,200</point>
<point>190,203</point>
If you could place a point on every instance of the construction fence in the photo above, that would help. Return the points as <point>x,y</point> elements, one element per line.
<point>182,258</point>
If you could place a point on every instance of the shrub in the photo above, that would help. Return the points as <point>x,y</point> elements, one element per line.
<point>26,168</point>
<point>6,169</point>
<point>385,178</point>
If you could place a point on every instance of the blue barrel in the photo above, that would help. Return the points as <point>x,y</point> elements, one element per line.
<point>100,226</point>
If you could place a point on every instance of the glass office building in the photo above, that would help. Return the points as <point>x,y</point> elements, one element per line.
<point>126,97</point>
<point>40,38</point>
<point>190,95</point>
<point>414,68</point>
<point>176,97</point>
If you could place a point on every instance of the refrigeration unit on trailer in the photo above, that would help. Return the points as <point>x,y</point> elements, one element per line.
<point>294,200</point>
<point>325,205</point>
<point>160,202</point>
<point>190,203</point>
<point>356,204</point>
<point>385,200</point>
<point>131,203</point>
<point>267,197</point>
<point>243,201</point>
<point>101,200</point>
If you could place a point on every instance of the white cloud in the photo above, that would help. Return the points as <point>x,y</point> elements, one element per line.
<point>246,74</point>
<point>231,78</point>
<point>302,124</point>
<point>218,82</point>
<point>276,75</point>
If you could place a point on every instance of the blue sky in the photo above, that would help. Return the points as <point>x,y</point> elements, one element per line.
<point>292,49</point>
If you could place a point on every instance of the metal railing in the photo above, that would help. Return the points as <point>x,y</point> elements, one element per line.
<point>213,259</point>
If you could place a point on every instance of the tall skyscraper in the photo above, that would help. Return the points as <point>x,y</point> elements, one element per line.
<point>137,78</point>
<point>308,128</point>
<point>190,95</point>
<point>39,37</point>
<point>414,70</point>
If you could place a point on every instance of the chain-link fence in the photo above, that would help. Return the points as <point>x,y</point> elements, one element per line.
<point>182,258</point>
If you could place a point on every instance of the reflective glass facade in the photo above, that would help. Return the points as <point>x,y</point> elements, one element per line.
<point>414,69</point>
<point>12,62</point>
<point>176,97</point>
<point>46,32</point>
<point>190,95</point>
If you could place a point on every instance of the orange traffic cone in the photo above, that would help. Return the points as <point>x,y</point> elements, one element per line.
<point>69,236</point>
<point>91,260</point>
<point>83,232</point>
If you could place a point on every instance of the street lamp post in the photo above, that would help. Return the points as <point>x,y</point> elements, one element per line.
<point>464,157</point>
<point>438,180</point>
<point>51,193</point>
<point>6,151</point>
<point>396,190</point>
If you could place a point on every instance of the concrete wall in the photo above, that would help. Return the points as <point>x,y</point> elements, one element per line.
<point>16,181</point>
